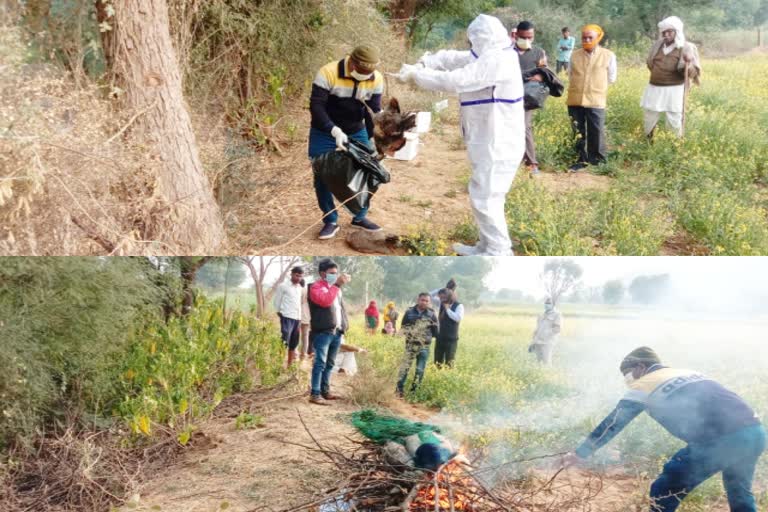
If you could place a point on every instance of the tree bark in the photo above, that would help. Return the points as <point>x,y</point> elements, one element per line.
<point>146,65</point>
<point>259,274</point>
<point>107,36</point>
<point>401,13</point>
<point>189,267</point>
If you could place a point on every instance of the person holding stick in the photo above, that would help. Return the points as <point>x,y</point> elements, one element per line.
<point>673,63</point>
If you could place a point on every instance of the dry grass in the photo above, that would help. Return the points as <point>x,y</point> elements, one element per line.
<point>80,470</point>
<point>373,389</point>
<point>69,185</point>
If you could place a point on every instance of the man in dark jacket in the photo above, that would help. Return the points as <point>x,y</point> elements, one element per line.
<point>531,57</point>
<point>328,322</point>
<point>449,319</point>
<point>419,327</point>
<point>342,94</point>
<point>722,431</point>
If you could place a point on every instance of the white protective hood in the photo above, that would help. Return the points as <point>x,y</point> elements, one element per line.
<point>487,33</point>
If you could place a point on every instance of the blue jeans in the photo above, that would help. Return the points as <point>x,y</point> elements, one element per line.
<point>734,454</point>
<point>326,347</point>
<point>421,355</point>
<point>319,143</point>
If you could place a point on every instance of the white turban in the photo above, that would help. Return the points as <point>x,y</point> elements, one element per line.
<point>676,24</point>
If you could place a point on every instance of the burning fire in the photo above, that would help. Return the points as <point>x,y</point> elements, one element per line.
<point>447,489</point>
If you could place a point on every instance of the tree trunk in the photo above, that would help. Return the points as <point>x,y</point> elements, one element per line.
<point>259,275</point>
<point>189,267</point>
<point>107,36</point>
<point>401,12</point>
<point>145,63</point>
<point>36,15</point>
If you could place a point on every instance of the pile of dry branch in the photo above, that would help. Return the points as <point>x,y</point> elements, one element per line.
<point>369,481</point>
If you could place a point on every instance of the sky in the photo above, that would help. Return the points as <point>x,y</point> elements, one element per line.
<point>750,273</point>
<point>709,282</point>
<point>696,282</point>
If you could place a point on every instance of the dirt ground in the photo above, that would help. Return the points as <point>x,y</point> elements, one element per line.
<point>428,193</point>
<point>270,468</point>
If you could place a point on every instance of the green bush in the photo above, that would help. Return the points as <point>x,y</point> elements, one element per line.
<point>65,321</point>
<point>180,370</point>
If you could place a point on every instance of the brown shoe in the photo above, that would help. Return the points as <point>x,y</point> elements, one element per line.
<point>317,400</point>
<point>329,396</point>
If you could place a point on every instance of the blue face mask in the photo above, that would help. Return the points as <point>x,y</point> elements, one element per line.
<point>331,278</point>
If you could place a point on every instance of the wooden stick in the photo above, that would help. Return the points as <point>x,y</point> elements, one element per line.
<point>437,492</point>
<point>405,506</point>
<point>686,89</point>
<point>130,122</point>
<point>317,442</point>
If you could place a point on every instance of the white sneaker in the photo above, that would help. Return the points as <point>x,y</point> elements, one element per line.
<point>466,250</point>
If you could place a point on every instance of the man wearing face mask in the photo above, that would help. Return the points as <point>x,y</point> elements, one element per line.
<point>593,69</point>
<point>328,323</point>
<point>722,432</point>
<point>489,83</point>
<point>548,326</point>
<point>342,93</point>
<point>671,61</point>
<point>531,57</point>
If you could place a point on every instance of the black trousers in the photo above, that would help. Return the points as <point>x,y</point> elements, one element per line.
<point>589,124</point>
<point>445,351</point>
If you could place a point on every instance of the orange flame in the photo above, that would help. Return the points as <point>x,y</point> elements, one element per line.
<point>446,494</point>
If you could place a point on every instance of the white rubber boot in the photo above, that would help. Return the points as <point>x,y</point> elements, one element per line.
<point>467,250</point>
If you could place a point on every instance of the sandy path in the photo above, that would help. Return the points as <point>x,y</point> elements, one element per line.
<point>429,193</point>
<point>429,190</point>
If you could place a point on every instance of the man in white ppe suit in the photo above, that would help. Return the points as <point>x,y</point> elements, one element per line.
<point>490,87</point>
<point>548,326</point>
<point>671,60</point>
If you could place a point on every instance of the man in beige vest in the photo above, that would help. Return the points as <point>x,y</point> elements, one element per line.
<point>667,60</point>
<point>593,68</point>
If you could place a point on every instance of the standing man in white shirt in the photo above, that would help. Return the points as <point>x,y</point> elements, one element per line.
<point>450,317</point>
<point>593,69</point>
<point>287,303</point>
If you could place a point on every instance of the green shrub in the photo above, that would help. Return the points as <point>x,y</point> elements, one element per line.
<point>65,321</point>
<point>182,369</point>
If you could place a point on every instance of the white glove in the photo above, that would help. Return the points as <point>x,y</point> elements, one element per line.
<point>407,73</point>
<point>341,138</point>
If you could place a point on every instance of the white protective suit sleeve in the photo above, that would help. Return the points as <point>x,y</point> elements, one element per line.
<point>474,76</point>
<point>447,60</point>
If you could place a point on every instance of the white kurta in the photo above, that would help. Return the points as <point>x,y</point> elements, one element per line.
<point>667,98</point>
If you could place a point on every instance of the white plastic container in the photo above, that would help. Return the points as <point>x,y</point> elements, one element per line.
<point>411,148</point>
<point>423,121</point>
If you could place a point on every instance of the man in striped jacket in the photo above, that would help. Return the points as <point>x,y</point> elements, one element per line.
<point>342,94</point>
<point>722,432</point>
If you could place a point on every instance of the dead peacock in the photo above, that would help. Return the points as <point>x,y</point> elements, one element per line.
<point>410,443</point>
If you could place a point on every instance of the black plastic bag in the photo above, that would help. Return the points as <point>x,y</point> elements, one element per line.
<point>536,93</point>
<point>346,173</point>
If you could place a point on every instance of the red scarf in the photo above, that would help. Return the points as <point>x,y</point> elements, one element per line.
<point>372,310</point>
